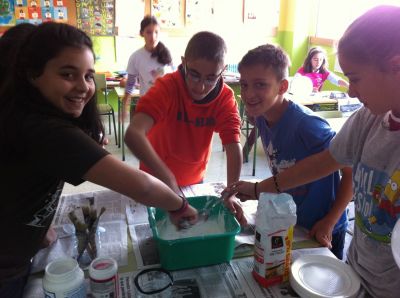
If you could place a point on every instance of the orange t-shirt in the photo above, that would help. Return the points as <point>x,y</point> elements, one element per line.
<point>183,130</point>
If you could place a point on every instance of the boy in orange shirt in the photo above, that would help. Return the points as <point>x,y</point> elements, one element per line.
<point>172,128</point>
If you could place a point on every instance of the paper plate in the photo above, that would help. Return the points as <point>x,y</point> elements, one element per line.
<point>323,276</point>
<point>396,242</point>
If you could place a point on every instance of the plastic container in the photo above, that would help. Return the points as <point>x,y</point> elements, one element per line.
<point>196,251</point>
<point>63,279</point>
<point>103,274</point>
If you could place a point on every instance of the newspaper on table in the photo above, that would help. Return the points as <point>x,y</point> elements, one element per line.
<point>112,227</point>
<point>233,279</point>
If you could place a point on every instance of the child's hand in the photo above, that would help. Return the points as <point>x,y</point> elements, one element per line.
<point>322,231</point>
<point>105,142</point>
<point>50,237</point>
<point>125,114</point>
<point>188,214</point>
<point>243,190</point>
<point>236,208</point>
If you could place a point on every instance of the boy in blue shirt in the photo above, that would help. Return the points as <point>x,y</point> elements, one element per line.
<point>289,133</point>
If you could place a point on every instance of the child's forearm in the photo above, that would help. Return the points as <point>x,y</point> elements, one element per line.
<point>307,170</point>
<point>343,197</point>
<point>343,83</point>
<point>234,162</point>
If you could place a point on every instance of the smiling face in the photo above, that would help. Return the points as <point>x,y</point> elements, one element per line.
<point>376,88</point>
<point>317,60</point>
<point>261,91</point>
<point>202,76</point>
<point>67,80</point>
<point>150,35</point>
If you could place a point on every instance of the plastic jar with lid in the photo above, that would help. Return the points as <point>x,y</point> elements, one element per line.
<point>103,274</point>
<point>64,278</point>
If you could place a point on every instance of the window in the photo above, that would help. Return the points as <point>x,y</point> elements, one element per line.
<point>335,16</point>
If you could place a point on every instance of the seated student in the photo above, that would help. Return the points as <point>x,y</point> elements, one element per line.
<point>315,67</point>
<point>51,132</point>
<point>174,122</point>
<point>369,141</point>
<point>289,133</point>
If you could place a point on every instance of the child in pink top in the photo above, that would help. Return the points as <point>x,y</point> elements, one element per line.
<point>315,68</point>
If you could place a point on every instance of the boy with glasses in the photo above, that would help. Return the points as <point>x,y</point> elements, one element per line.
<point>172,128</point>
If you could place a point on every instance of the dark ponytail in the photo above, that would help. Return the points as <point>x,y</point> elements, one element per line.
<point>162,53</point>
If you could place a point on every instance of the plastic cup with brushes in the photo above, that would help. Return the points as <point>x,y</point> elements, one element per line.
<point>87,233</point>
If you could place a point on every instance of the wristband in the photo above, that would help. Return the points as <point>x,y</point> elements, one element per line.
<point>181,209</point>
<point>255,190</point>
<point>278,190</point>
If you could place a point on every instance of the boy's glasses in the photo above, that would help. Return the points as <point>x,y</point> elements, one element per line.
<point>195,77</point>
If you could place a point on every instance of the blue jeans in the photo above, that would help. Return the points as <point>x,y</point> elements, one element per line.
<point>338,240</point>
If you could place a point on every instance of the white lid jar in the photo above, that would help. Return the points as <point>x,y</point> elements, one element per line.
<point>64,278</point>
<point>103,273</point>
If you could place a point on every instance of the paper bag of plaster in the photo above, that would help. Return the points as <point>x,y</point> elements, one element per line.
<point>275,219</point>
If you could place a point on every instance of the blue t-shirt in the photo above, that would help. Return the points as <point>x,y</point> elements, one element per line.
<point>300,133</point>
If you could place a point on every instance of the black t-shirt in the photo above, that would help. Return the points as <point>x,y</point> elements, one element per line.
<point>51,150</point>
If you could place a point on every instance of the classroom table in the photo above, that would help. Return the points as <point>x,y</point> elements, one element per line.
<point>112,83</point>
<point>120,91</point>
<point>130,242</point>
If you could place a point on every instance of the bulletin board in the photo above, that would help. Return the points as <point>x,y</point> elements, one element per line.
<point>170,13</point>
<point>96,17</point>
<point>13,12</point>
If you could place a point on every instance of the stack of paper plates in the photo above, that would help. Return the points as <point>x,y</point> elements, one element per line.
<point>323,276</point>
<point>396,242</point>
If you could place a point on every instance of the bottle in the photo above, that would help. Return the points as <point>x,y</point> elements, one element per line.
<point>103,274</point>
<point>63,279</point>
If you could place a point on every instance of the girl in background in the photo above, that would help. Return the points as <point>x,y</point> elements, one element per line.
<point>149,62</point>
<point>50,132</point>
<point>315,67</point>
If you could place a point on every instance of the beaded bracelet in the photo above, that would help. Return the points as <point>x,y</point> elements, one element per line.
<point>181,209</point>
<point>278,190</point>
<point>255,190</point>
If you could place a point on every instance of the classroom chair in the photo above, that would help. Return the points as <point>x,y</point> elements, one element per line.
<point>105,109</point>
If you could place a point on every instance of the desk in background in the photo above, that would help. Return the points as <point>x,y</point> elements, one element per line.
<point>120,91</point>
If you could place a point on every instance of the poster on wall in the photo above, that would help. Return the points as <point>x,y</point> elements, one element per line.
<point>199,12</point>
<point>7,13</point>
<point>39,11</point>
<point>168,13</point>
<point>96,17</point>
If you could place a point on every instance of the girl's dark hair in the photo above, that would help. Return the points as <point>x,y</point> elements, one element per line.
<point>307,66</point>
<point>161,52</point>
<point>206,45</point>
<point>10,43</point>
<point>18,95</point>
<point>374,37</point>
<point>268,56</point>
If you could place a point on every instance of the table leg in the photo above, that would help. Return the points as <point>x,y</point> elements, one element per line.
<point>119,122</point>
<point>123,134</point>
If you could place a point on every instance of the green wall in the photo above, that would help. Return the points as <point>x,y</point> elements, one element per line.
<point>104,48</point>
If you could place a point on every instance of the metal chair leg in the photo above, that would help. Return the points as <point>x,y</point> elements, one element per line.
<point>115,129</point>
